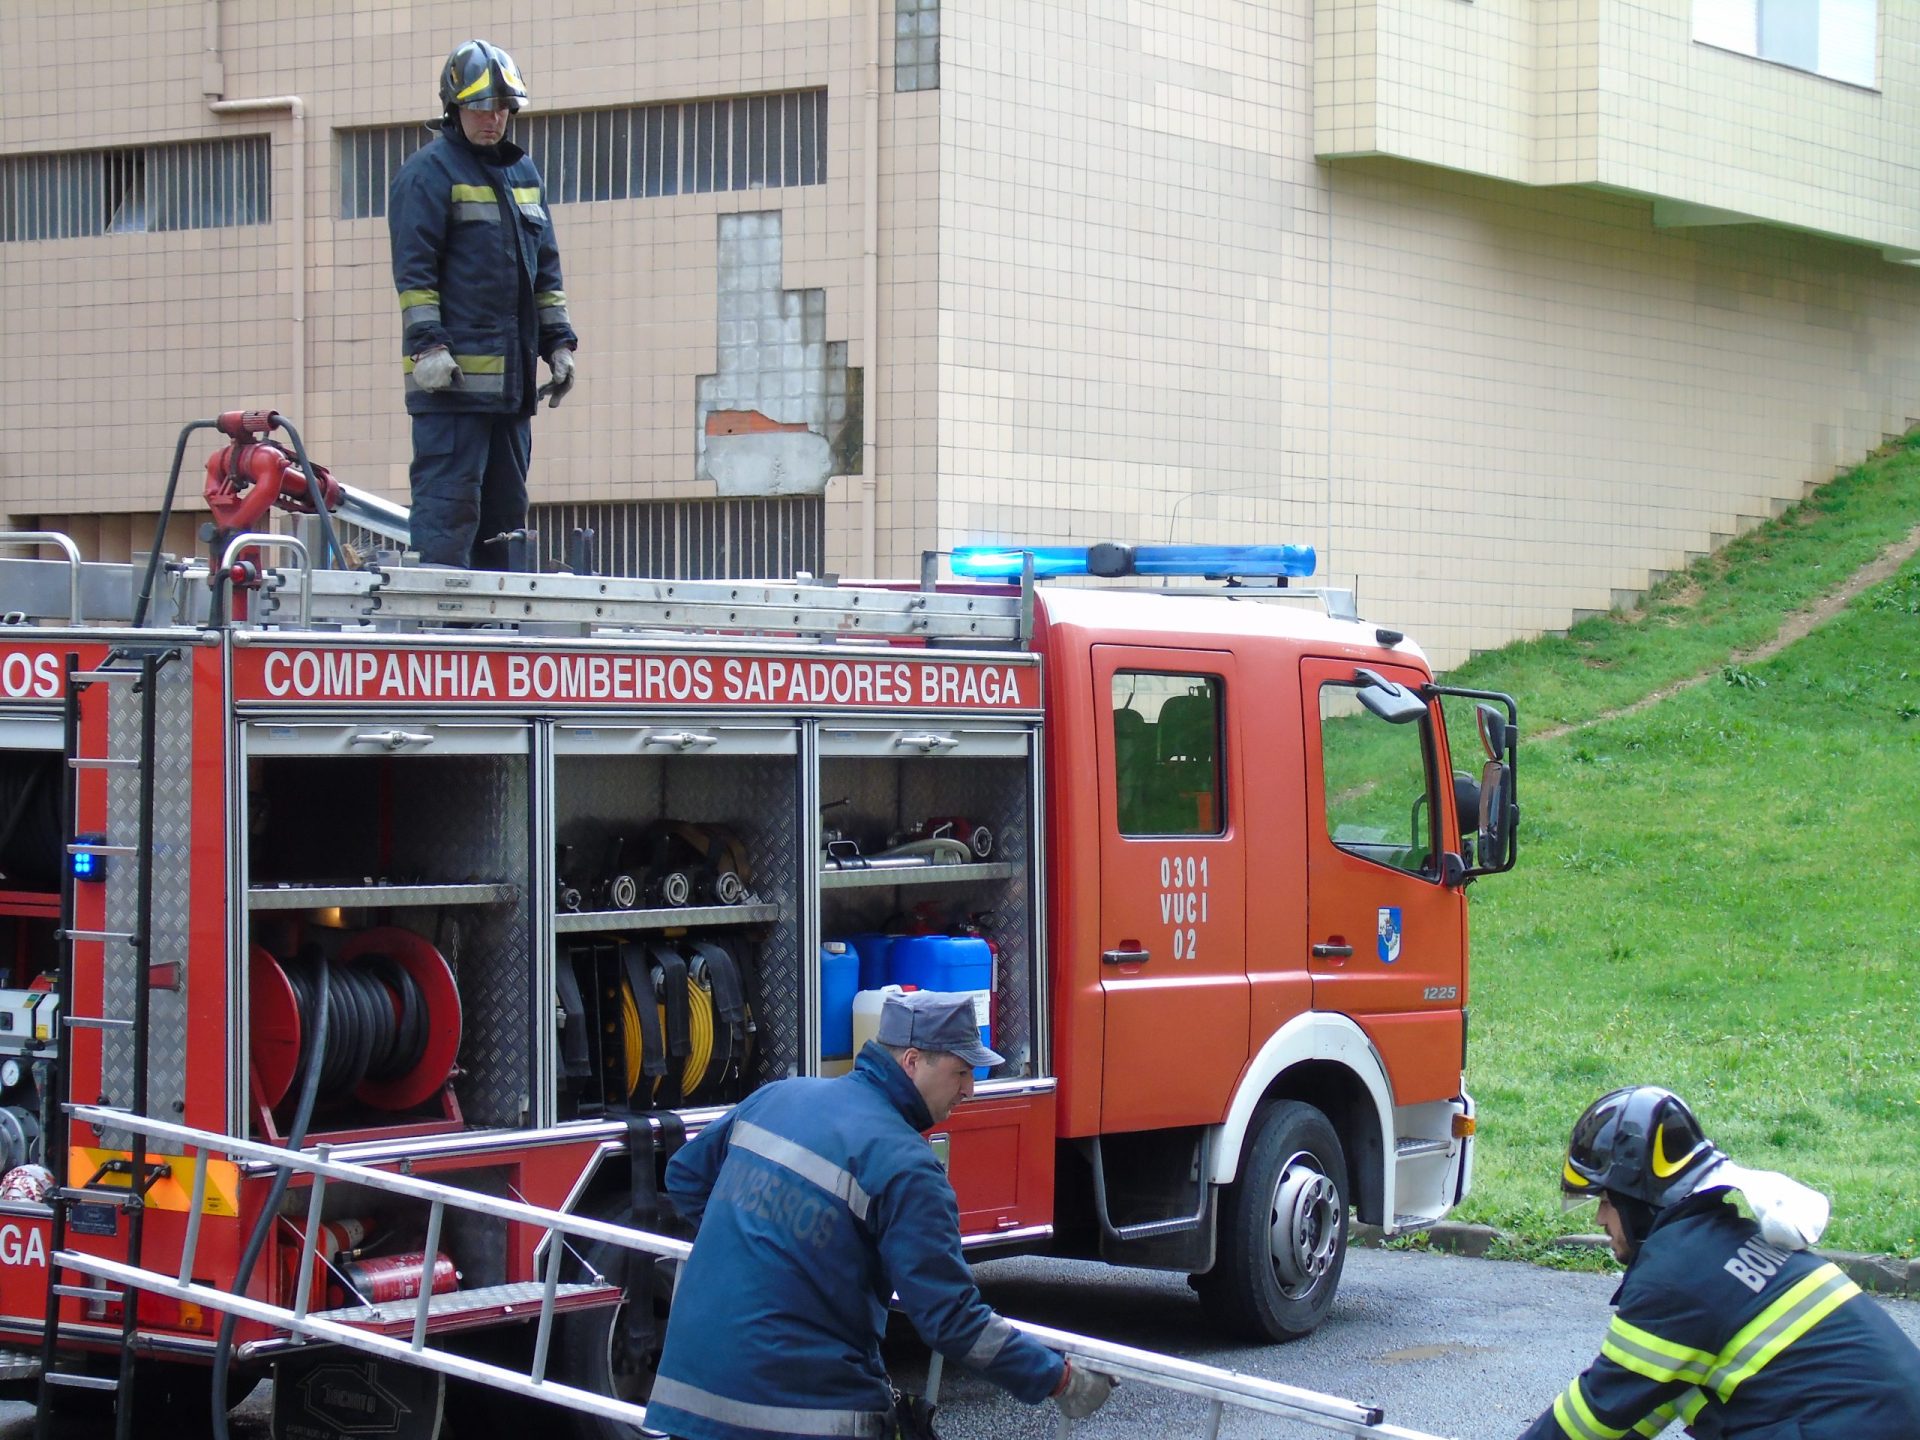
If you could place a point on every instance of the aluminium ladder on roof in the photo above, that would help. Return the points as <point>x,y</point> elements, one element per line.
<point>364,1328</point>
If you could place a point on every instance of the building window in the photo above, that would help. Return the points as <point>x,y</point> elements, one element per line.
<point>1835,38</point>
<point>198,185</point>
<point>916,44</point>
<point>768,539</point>
<point>693,147</point>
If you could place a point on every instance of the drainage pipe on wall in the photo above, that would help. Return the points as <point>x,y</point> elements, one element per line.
<point>213,84</point>
<point>297,112</point>
<point>870,301</point>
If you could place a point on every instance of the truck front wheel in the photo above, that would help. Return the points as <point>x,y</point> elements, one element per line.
<point>1283,1229</point>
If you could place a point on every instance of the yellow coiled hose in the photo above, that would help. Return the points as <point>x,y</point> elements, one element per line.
<point>700,1032</point>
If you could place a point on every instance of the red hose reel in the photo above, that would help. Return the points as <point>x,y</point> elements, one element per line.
<point>278,1024</point>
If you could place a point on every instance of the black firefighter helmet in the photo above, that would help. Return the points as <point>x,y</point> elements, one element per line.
<point>1639,1142</point>
<point>481,76</point>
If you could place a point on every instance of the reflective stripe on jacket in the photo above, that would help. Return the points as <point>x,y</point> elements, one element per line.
<point>1739,1340</point>
<point>817,1200</point>
<point>477,270</point>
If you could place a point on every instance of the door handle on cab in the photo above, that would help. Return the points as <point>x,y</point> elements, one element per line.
<point>1125,957</point>
<point>1328,950</point>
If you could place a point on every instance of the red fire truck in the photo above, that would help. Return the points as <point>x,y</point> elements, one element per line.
<point>578,861</point>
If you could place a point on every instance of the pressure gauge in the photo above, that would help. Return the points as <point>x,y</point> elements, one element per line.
<point>9,1073</point>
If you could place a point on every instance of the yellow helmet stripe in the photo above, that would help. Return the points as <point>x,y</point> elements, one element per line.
<point>477,86</point>
<point>1663,1168</point>
<point>1574,1178</point>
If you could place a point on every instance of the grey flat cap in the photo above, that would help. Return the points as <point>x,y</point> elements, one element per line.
<point>930,1020</point>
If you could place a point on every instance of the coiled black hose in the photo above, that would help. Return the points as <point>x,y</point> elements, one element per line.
<point>364,1039</point>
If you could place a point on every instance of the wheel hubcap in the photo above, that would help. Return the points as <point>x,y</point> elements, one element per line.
<point>1305,1225</point>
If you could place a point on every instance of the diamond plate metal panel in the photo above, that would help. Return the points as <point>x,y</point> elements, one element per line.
<point>172,826</point>
<point>465,818</point>
<point>758,798</point>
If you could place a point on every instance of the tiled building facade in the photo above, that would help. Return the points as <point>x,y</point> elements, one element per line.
<point>1502,305</point>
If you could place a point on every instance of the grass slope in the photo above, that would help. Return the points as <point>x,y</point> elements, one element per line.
<point>1719,893</point>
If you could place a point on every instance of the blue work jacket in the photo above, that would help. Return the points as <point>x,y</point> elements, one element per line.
<point>817,1200</point>
<point>478,271</point>
<point>1739,1340</point>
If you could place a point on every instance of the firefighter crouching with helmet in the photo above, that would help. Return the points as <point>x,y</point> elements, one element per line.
<point>1723,1322</point>
<point>478,271</point>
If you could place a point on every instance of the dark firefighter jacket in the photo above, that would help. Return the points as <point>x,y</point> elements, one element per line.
<point>816,1201</point>
<point>478,271</point>
<point>1737,1339</point>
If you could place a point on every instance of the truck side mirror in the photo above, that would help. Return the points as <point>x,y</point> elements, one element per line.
<point>1497,816</point>
<point>1393,703</point>
<point>1493,731</point>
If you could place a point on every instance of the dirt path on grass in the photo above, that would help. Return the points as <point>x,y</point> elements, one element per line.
<point>1796,626</point>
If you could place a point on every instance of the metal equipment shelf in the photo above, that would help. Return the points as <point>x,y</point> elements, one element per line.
<point>916,875</point>
<point>314,897</point>
<point>587,922</point>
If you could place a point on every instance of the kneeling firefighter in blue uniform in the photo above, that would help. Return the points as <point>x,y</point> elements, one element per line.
<point>1724,1323</point>
<point>816,1201</point>
<point>478,271</point>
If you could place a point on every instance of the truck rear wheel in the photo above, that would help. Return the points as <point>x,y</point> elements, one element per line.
<point>1283,1229</point>
<point>592,1349</point>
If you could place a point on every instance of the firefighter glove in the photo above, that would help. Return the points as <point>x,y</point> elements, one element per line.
<point>1082,1391</point>
<point>436,370</point>
<point>560,367</point>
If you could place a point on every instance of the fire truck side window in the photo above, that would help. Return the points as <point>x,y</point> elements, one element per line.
<point>1166,748</point>
<point>1376,784</point>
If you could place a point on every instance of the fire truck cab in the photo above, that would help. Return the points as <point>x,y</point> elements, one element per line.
<point>581,861</point>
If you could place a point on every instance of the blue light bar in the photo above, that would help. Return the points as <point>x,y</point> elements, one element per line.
<point>1000,562</point>
<point>992,562</point>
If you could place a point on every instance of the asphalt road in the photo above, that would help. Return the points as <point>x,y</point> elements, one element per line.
<point>1467,1349</point>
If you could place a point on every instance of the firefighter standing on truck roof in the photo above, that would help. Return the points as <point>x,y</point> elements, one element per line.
<point>1724,1323</point>
<point>478,271</point>
<point>816,1200</point>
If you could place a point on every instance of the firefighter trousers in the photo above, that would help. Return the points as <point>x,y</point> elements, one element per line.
<point>469,483</point>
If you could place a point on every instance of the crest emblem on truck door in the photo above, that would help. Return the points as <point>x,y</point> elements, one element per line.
<point>1387,936</point>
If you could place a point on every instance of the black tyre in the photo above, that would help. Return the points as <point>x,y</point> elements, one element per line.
<point>593,1350</point>
<point>1283,1229</point>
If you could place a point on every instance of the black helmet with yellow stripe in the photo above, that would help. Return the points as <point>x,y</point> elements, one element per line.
<point>1641,1143</point>
<point>481,76</point>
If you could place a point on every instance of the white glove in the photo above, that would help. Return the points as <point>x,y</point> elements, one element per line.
<point>435,370</point>
<point>560,367</point>
<point>1082,1392</point>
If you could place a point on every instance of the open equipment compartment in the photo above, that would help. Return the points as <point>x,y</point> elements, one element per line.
<point>890,787</point>
<point>30,864</point>
<point>675,844</point>
<point>410,839</point>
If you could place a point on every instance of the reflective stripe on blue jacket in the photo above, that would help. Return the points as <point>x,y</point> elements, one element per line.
<point>477,270</point>
<point>1738,1340</point>
<point>817,1200</point>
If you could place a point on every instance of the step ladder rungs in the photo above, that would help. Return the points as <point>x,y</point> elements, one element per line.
<point>81,1382</point>
<point>100,847</point>
<point>88,1292</point>
<point>101,762</point>
<point>102,935</point>
<point>95,1022</point>
<point>93,677</point>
